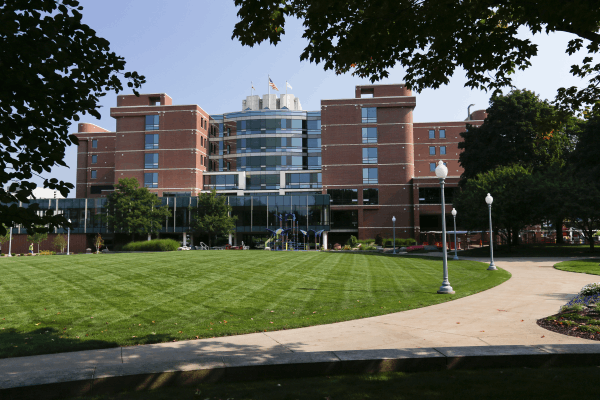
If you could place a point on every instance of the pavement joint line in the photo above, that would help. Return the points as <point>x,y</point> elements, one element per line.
<point>484,341</point>
<point>281,344</point>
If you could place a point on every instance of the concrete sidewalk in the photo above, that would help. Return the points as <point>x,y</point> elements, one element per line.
<point>498,324</point>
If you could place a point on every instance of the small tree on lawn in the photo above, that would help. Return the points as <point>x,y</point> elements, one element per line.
<point>98,242</point>
<point>37,238</point>
<point>4,238</point>
<point>212,216</point>
<point>134,210</point>
<point>60,243</point>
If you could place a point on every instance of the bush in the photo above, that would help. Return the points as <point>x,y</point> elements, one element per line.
<point>590,289</point>
<point>379,239</point>
<point>47,253</point>
<point>369,248</point>
<point>352,242</point>
<point>152,245</point>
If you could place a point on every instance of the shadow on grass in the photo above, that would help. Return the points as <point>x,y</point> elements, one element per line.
<point>46,340</point>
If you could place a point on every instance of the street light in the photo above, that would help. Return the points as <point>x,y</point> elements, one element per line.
<point>441,172</point>
<point>394,224</point>
<point>68,237</point>
<point>454,212</point>
<point>469,111</point>
<point>489,200</point>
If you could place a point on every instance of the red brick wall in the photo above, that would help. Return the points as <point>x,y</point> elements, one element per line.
<point>20,245</point>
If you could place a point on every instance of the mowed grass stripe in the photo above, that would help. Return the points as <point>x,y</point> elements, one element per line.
<point>55,304</point>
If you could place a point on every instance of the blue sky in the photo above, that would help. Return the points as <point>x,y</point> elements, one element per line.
<point>184,48</point>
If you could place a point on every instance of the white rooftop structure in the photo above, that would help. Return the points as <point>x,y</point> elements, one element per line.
<point>271,102</point>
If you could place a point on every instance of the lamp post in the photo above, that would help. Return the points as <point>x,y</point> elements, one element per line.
<point>394,224</point>
<point>469,111</point>
<point>489,200</point>
<point>10,243</point>
<point>441,172</point>
<point>454,212</point>
<point>68,237</point>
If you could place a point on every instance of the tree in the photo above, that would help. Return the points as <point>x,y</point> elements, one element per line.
<point>431,39</point>
<point>134,210</point>
<point>53,68</point>
<point>60,243</point>
<point>37,238</point>
<point>212,216</point>
<point>581,207</point>
<point>513,207</point>
<point>4,238</point>
<point>98,242</point>
<point>519,129</point>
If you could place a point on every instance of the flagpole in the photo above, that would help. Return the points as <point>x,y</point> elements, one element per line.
<point>268,84</point>
<point>251,88</point>
<point>285,88</point>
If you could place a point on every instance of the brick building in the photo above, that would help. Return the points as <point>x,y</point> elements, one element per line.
<point>366,153</point>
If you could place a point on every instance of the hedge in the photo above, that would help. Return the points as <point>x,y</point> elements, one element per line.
<point>152,245</point>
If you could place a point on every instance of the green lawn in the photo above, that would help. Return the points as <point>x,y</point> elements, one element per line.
<point>590,266</point>
<point>533,250</point>
<point>508,383</point>
<point>57,303</point>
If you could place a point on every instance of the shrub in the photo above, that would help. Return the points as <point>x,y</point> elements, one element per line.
<point>590,289</point>
<point>352,242</point>
<point>152,245</point>
<point>379,239</point>
<point>13,254</point>
<point>370,248</point>
<point>47,253</point>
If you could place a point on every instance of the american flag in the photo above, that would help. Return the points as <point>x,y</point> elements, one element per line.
<point>272,84</point>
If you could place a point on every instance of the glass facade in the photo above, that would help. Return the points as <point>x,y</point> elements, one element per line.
<point>369,155</point>
<point>263,143</point>
<point>254,213</point>
<point>151,160</point>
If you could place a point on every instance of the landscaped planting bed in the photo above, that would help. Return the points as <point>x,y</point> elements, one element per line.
<point>67,303</point>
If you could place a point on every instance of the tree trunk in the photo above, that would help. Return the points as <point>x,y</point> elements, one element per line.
<point>558,226</point>
<point>515,237</point>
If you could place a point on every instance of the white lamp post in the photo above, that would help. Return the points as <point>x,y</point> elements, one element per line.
<point>454,212</point>
<point>489,200</point>
<point>68,237</point>
<point>394,224</point>
<point>10,243</point>
<point>441,172</point>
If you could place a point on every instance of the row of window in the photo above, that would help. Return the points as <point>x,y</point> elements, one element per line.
<point>442,134</point>
<point>432,166</point>
<point>341,197</point>
<point>432,151</point>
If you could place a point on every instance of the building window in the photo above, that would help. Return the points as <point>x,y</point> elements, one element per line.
<point>151,160</point>
<point>94,159</point>
<point>370,197</point>
<point>369,135</point>
<point>431,134</point>
<point>442,150</point>
<point>343,197</point>
<point>152,141</point>
<point>433,195</point>
<point>94,143</point>
<point>432,150</point>
<point>370,175</point>
<point>93,176</point>
<point>228,166</point>
<point>432,167</point>
<point>151,122</point>
<point>151,180</point>
<point>442,134</point>
<point>369,115</point>
<point>369,155</point>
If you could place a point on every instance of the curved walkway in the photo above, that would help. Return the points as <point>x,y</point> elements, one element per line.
<point>502,316</point>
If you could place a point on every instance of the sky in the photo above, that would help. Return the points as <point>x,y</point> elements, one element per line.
<point>184,48</point>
